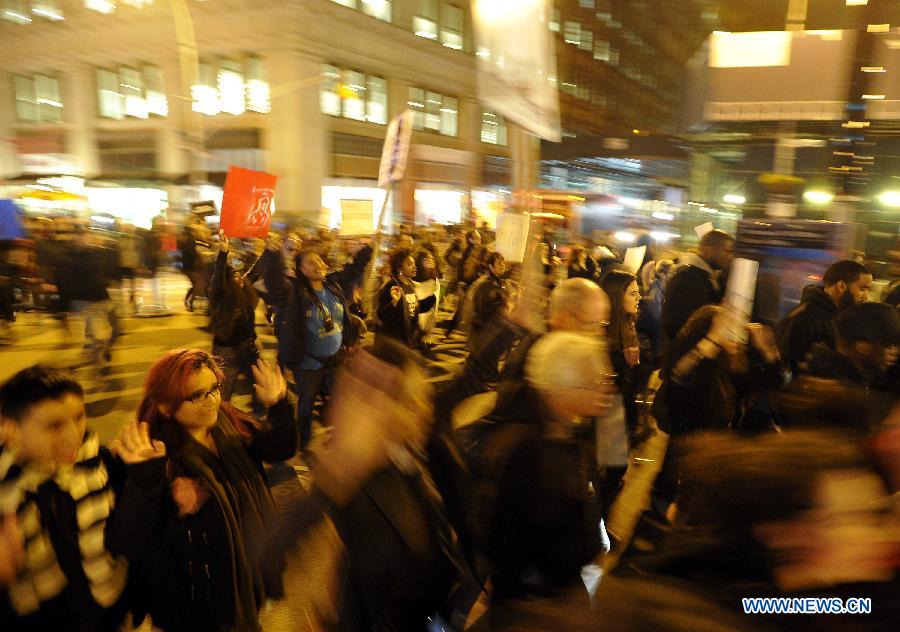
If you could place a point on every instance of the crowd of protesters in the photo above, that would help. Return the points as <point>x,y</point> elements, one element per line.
<point>781,441</point>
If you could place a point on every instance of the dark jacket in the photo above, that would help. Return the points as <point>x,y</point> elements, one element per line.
<point>90,271</point>
<point>690,289</point>
<point>825,362</point>
<point>292,335</point>
<point>487,298</point>
<point>396,320</point>
<point>232,309</point>
<point>186,569</point>
<point>810,323</point>
<point>274,274</point>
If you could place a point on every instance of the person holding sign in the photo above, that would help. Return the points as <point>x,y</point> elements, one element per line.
<point>398,305</point>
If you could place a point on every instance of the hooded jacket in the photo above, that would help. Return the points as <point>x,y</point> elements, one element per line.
<point>693,286</point>
<point>810,323</point>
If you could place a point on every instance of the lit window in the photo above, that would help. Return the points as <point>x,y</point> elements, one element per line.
<point>353,91</point>
<point>572,33</point>
<point>587,4</point>
<point>424,22</point>
<point>15,11</point>
<point>231,88</point>
<point>434,112</point>
<point>493,128</point>
<point>204,92</point>
<point>601,50</point>
<point>380,9</point>
<point>449,116</point>
<point>131,86</point>
<point>110,101</point>
<point>155,91</point>
<point>346,3</point>
<point>452,27</point>
<point>37,99</point>
<point>587,40</point>
<point>329,93</point>
<point>258,96</point>
<point>47,9</point>
<point>555,18</point>
<point>101,6</point>
<point>376,100</point>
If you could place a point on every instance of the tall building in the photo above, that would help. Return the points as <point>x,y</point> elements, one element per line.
<point>124,94</point>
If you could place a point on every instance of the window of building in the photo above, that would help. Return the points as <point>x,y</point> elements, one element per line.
<point>37,99</point>
<point>587,40</point>
<point>425,19</point>
<point>572,33</point>
<point>434,112</point>
<point>346,3</point>
<point>353,95</point>
<point>353,91</point>
<point>231,86</point>
<point>258,96</point>
<point>131,92</point>
<point>329,93</point>
<point>587,4</point>
<point>380,9</point>
<point>555,17</point>
<point>376,100</point>
<point>452,18</point>
<point>601,50</point>
<point>493,128</point>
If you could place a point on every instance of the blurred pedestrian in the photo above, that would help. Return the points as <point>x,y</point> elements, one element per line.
<point>398,305</point>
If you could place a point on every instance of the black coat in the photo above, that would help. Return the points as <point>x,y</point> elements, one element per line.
<point>274,273</point>
<point>690,289</point>
<point>89,272</point>
<point>396,320</point>
<point>810,323</point>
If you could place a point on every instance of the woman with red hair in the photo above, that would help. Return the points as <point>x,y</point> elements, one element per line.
<point>200,571</point>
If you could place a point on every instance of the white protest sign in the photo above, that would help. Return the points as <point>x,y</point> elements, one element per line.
<point>740,293</point>
<point>634,257</point>
<point>516,60</point>
<point>512,235</point>
<point>357,217</point>
<point>396,149</point>
<point>702,229</point>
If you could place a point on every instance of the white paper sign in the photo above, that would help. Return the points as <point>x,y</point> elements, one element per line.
<point>512,235</point>
<point>396,149</point>
<point>516,60</point>
<point>740,294</point>
<point>702,229</point>
<point>634,257</point>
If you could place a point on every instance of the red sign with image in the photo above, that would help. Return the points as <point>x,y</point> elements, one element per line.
<point>247,202</point>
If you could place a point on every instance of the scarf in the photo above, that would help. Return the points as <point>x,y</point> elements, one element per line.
<point>246,505</point>
<point>29,493</point>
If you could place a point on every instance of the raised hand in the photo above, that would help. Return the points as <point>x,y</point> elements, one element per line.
<point>269,383</point>
<point>135,446</point>
<point>224,245</point>
<point>396,294</point>
<point>12,551</point>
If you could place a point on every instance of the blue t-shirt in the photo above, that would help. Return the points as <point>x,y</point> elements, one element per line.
<point>319,342</point>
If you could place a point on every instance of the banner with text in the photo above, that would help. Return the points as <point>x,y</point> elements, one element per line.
<point>396,149</point>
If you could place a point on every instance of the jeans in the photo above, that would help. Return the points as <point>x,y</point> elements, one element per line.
<point>236,360</point>
<point>310,384</point>
<point>94,312</point>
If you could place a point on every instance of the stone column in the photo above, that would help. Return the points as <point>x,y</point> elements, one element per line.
<point>80,113</point>
<point>298,149</point>
<point>9,162</point>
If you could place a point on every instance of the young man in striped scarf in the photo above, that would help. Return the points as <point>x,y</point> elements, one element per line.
<point>67,523</point>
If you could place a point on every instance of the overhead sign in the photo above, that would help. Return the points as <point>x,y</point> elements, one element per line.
<point>395,154</point>
<point>247,202</point>
<point>516,60</point>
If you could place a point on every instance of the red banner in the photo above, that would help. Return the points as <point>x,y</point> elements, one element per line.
<point>247,202</point>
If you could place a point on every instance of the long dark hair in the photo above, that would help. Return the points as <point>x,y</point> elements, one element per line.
<point>622,328</point>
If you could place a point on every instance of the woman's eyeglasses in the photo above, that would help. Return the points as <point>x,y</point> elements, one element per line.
<point>201,396</point>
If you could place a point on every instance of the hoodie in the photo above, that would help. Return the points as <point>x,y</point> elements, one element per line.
<point>809,323</point>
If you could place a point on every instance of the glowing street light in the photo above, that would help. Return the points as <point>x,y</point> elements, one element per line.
<point>890,198</point>
<point>818,197</point>
<point>733,198</point>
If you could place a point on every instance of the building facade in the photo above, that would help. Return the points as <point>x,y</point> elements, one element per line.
<point>169,93</point>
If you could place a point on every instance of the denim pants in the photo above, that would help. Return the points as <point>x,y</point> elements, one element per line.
<point>94,313</point>
<point>310,384</point>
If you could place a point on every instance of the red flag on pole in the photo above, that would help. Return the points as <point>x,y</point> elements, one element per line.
<point>247,202</point>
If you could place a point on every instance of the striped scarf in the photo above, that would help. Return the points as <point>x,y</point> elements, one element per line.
<point>88,484</point>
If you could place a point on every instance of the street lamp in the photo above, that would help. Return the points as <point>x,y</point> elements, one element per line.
<point>890,198</point>
<point>733,198</point>
<point>818,197</point>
